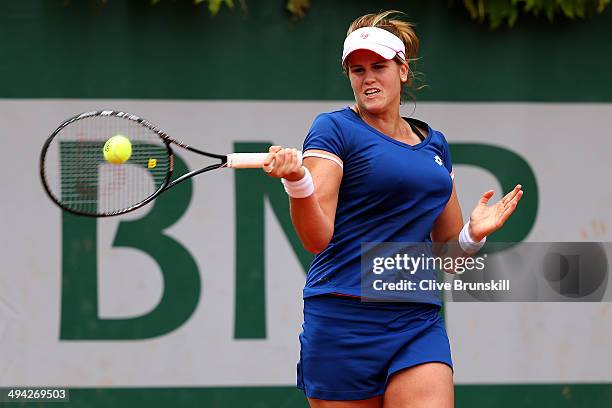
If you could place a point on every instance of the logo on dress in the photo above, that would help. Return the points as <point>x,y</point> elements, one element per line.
<point>438,160</point>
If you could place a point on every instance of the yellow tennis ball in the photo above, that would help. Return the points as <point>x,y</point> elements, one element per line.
<point>117,149</point>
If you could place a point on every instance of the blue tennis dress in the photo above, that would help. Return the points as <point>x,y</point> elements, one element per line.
<point>390,192</point>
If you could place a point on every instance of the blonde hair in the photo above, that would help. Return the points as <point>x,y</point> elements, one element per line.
<point>405,32</point>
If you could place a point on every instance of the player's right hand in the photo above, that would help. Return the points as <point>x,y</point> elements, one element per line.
<point>283,163</point>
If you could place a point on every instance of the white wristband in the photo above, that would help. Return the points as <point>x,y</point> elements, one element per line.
<point>301,188</point>
<point>467,243</point>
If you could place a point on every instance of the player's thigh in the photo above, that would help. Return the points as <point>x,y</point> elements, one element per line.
<point>427,385</point>
<point>375,402</point>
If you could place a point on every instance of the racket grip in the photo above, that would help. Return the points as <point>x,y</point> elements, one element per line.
<point>250,160</point>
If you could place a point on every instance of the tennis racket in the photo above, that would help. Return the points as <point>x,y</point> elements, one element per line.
<point>77,177</point>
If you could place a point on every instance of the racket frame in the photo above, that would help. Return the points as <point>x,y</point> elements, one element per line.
<point>167,140</point>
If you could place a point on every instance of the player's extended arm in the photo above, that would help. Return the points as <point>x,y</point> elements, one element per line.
<point>313,216</point>
<point>484,220</point>
<point>449,223</point>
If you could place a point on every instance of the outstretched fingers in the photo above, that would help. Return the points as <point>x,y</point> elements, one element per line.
<point>512,194</point>
<point>486,197</point>
<point>510,206</point>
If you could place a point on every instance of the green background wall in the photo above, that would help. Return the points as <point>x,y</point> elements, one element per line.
<point>128,49</point>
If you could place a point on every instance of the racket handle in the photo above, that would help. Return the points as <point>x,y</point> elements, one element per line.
<point>250,160</point>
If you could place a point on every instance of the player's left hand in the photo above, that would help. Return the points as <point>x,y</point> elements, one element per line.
<point>485,219</point>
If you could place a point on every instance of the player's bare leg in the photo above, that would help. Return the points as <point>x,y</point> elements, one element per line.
<point>427,385</point>
<point>375,402</point>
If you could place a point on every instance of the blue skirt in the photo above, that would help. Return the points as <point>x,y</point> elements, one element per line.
<point>350,349</point>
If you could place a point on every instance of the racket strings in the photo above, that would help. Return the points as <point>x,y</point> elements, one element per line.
<point>78,175</point>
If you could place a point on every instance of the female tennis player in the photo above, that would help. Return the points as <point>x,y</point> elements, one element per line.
<point>370,175</point>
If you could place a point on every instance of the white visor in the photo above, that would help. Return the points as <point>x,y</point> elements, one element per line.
<point>375,39</point>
